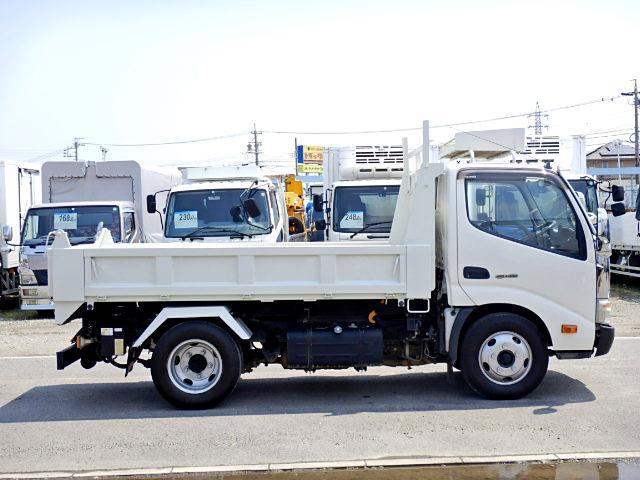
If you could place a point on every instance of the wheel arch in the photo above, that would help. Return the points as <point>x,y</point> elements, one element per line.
<point>171,316</point>
<point>469,315</point>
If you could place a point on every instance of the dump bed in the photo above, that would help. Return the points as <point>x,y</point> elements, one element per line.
<point>403,267</point>
<point>234,271</point>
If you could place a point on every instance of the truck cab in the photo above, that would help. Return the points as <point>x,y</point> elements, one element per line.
<point>82,221</point>
<point>210,207</point>
<point>361,186</point>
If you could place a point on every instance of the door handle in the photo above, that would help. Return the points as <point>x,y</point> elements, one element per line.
<point>476,273</point>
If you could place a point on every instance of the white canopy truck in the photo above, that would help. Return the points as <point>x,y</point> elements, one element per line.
<point>81,198</point>
<point>361,185</point>
<point>215,205</point>
<point>488,268</point>
<point>19,189</point>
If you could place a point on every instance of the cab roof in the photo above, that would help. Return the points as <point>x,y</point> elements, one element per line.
<point>263,183</point>
<point>93,203</point>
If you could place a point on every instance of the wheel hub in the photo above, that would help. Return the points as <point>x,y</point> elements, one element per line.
<point>505,357</point>
<point>197,363</point>
<point>194,366</point>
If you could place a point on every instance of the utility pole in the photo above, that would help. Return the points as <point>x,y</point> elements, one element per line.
<point>636,106</point>
<point>537,121</point>
<point>254,145</point>
<point>76,144</point>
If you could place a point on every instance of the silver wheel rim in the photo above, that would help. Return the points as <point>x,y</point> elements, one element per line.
<point>505,358</point>
<point>194,366</point>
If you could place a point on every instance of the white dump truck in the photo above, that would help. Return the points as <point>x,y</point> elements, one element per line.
<point>81,198</point>
<point>209,206</point>
<point>490,268</point>
<point>361,185</point>
<point>19,189</point>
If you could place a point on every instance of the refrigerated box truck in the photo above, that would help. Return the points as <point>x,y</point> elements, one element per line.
<point>361,185</point>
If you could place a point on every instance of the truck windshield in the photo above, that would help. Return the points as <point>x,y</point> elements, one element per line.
<point>80,223</point>
<point>589,189</point>
<point>198,209</point>
<point>356,207</point>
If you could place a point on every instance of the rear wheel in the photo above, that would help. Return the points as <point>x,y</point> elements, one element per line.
<point>503,356</point>
<point>196,365</point>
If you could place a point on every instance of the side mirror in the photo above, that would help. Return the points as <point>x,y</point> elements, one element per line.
<point>151,204</point>
<point>236,213</point>
<point>321,225</point>
<point>481,197</point>
<point>618,209</point>
<point>7,233</point>
<point>318,203</point>
<point>617,193</point>
<point>252,208</point>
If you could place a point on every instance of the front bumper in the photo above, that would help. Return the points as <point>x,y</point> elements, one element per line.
<point>605,334</point>
<point>35,297</point>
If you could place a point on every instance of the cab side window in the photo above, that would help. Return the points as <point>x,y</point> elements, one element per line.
<point>129,226</point>
<point>534,211</point>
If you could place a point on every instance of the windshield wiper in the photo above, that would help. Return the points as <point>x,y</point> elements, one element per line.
<point>211,228</point>
<point>368,225</point>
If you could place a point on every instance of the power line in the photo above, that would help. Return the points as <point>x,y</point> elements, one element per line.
<point>174,142</point>
<point>447,125</point>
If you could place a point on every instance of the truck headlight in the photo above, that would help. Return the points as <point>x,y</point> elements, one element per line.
<point>27,277</point>
<point>603,310</point>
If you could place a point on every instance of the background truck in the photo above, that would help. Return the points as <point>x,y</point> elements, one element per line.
<point>361,185</point>
<point>209,206</point>
<point>625,243</point>
<point>488,268</point>
<point>81,198</point>
<point>19,189</point>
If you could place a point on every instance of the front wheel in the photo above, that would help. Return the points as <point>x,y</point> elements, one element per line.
<point>196,365</point>
<point>503,356</point>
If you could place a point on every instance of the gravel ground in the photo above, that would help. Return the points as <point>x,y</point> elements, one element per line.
<point>23,334</point>
<point>625,313</point>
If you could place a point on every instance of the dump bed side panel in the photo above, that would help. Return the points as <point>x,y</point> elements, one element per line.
<point>186,273</point>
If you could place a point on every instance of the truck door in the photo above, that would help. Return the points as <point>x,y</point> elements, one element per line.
<point>522,242</point>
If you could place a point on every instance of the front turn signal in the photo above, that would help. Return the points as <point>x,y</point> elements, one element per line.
<point>569,328</point>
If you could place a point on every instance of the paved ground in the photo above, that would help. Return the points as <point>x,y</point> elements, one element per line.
<point>96,419</point>
<point>79,419</point>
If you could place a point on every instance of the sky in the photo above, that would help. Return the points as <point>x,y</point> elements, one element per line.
<point>139,72</point>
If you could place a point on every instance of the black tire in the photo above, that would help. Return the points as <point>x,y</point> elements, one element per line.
<point>230,358</point>
<point>480,331</point>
